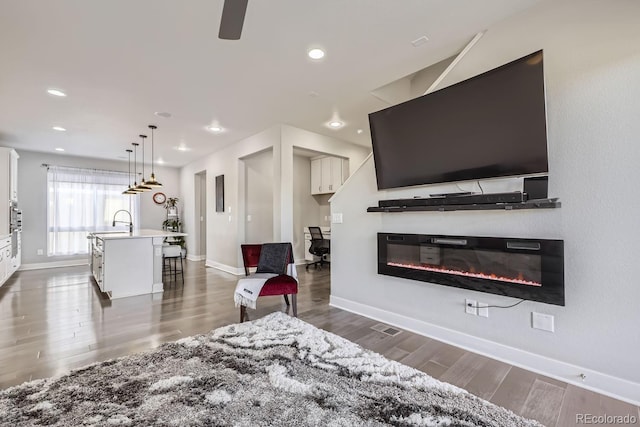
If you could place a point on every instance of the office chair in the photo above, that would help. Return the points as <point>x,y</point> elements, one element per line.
<point>320,247</point>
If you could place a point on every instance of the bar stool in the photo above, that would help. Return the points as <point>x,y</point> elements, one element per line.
<point>170,256</point>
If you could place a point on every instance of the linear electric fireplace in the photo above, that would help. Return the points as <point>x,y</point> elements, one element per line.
<point>531,269</point>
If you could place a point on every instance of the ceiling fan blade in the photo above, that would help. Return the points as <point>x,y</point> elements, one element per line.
<point>232,19</point>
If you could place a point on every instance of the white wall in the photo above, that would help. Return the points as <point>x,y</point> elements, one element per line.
<point>32,189</point>
<point>592,64</point>
<point>259,197</point>
<point>226,231</point>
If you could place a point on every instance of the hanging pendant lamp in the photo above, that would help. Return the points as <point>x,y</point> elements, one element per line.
<point>135,172</point>
<point>153,183</point>
<point>143,186</point>
<point>129,190</point>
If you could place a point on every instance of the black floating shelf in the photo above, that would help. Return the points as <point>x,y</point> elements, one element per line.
<point>532,204</point>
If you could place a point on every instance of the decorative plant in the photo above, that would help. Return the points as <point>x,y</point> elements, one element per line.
<point>171,202</point>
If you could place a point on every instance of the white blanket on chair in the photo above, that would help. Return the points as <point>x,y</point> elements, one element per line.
<point>248,289</point>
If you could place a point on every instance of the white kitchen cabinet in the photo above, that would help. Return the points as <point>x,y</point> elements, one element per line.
<point>326,174</point>
<point>5,259</point>
<point>13,175</point>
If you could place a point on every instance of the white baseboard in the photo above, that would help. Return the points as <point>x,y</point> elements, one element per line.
<point>53,264</point>
<point>226,268</point>
<point>196,257</point>
<point>615,387</point>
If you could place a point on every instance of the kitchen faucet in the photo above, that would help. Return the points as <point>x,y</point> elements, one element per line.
<point>124,222</point>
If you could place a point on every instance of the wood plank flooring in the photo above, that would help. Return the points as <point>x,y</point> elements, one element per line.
<point>55,320</point>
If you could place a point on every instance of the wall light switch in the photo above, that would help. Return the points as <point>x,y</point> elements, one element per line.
<point>40,252</point>
<point>229,218</point>
<point>541,321</point>
<point>248,218</point>
<point>483,309</point>
<point>336,218</point>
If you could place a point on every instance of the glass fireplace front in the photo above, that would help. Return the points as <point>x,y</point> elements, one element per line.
<point>531,269</point>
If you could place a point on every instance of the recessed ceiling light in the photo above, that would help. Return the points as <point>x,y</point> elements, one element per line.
<point>215,129</point>
<point>164,114</point>
<point>160,161</point>
<point>316,53</point>
<point>56,92</point>
<point>59,149</point>
<point>182,147</point>
<point>59,128</point>
<point>359,131</point>
<point>335,124</point>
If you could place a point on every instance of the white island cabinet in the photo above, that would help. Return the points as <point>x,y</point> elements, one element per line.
<point>128,264</point>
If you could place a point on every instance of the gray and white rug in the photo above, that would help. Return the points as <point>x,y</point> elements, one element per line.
<point>274,371</point>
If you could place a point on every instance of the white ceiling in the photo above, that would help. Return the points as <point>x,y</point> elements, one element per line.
<point>120,61</point>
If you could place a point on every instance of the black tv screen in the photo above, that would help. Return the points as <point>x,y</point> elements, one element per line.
<point>491,125</point>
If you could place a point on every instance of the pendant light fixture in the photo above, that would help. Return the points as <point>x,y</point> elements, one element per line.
<point>143,186</point>
<point>131,189</point>
<point>153,183</point>
<point>135,171</point>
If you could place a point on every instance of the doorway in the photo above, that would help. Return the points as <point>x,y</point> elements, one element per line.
<point>200,220</point>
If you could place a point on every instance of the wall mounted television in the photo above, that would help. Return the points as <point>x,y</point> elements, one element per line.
<point>491,125</point>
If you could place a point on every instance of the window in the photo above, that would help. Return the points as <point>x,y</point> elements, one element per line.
<point>81,201</point>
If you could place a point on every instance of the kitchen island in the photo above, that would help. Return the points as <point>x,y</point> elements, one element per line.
<point>127,264</point>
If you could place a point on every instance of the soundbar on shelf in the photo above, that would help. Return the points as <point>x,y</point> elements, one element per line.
<point>470,199</point>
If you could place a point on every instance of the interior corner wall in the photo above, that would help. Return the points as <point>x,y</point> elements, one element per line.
<point>305,209</point>
<point>300,138</point>
<point>592,64</point>
<point>32,191</point>
<point>225,230</point>
<point>258,195</point>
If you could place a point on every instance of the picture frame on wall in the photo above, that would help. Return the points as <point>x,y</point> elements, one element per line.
<point>220,193</point>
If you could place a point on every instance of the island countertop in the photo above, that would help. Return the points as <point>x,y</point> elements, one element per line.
<point>137,234</point>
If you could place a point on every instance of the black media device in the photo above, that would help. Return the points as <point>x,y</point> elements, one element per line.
<point>491,125</point>
<point>535,187</point>
<point>472,199</point>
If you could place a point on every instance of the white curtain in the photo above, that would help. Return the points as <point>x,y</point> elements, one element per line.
<point>82,201</point>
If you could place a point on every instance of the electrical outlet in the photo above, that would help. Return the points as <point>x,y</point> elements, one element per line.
<point>470,307</point>
<point>248,218</point>
<point>541,321</point>
<point>483,309</point>
<point>40,252</point>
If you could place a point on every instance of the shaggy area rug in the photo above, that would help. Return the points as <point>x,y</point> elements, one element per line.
<point>274,371</point>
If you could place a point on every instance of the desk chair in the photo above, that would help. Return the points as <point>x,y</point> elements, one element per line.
<point>320,247</point>
<point>170,256</point>
<point>280,285</point>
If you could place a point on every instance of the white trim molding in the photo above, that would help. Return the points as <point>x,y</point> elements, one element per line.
<point>615,387</point>
<point>53,264</point>
<point>196,257</point>
<point>237,271</point>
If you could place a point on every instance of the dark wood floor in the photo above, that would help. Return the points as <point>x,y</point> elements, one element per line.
<point>55,320</point>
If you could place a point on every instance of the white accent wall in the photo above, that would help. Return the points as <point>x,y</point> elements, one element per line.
<point>592,69</point>
<point>226,230</point>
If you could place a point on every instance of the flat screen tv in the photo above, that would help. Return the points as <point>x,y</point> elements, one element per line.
<point>491,125</point>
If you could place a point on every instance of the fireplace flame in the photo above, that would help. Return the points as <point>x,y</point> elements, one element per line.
<point>517,280</point>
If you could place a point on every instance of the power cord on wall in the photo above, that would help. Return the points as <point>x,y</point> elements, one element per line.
<point>496,306</point>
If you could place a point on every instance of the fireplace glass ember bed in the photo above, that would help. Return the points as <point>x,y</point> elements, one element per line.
<point>531,269</point>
